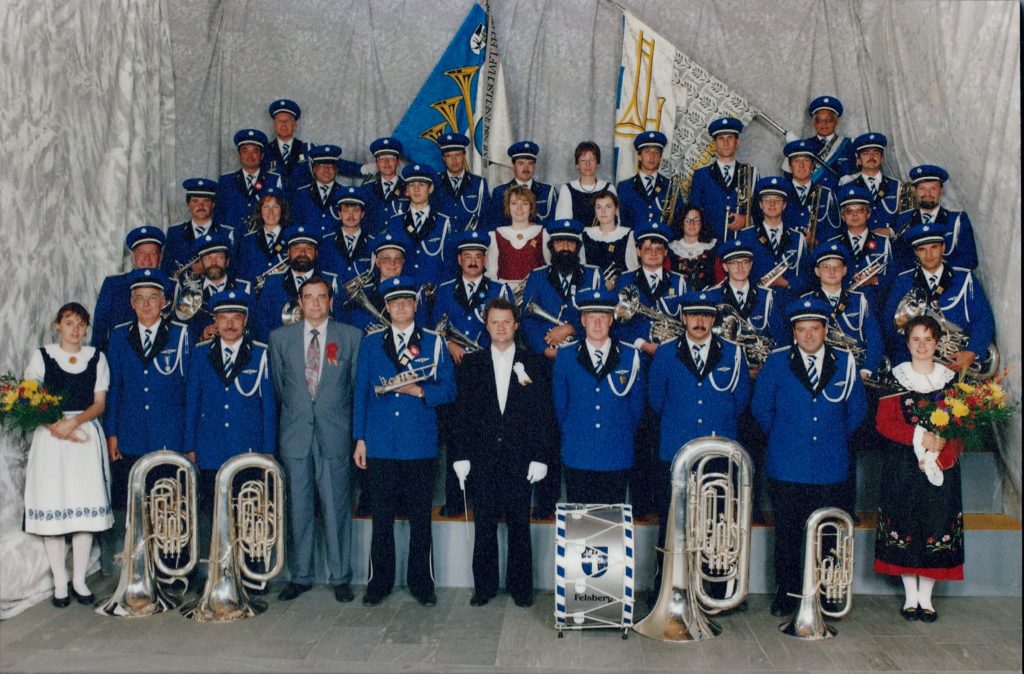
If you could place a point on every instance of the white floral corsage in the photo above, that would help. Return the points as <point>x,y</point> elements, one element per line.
<point>521,375</point>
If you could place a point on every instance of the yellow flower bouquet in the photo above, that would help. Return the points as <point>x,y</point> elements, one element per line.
<point>966,411</point>
<point>25,404</point>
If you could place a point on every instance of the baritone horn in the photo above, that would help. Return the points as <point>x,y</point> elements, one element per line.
<point>707,540</point>
<point>161,537</point>
<point>828,575</point>
<point>248,529</point>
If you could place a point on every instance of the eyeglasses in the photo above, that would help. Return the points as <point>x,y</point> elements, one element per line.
<point>691,221</point>
<point>831,267</point>
<point>147,299</point>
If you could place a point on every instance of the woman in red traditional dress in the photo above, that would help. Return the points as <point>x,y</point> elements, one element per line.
<point>519,248</point>
<point>920,535</point>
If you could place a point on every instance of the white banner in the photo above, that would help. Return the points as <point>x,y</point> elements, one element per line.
<point>661,88</point>
<point>493,162</point>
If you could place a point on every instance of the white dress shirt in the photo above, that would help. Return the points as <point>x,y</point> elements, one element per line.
<point>407,334</point>
<point>503,362</point>
<point>604,348</point>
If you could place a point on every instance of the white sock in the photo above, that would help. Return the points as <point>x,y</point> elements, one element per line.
<point>925,592</point>
<point>81,546</point>
<point>910,588</point>
<point>55,552</point>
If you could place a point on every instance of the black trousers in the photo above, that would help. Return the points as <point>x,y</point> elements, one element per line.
<point>412,482</point>
<point>645,464</point>
<point>498,492</point>
<point>446,431</point>
<point>595,486</point>
<point>793,503</point>
<point>755,442</point>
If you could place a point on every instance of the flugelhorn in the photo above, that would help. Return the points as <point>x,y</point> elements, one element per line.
<point>412,376</point>
<point>663,326</point>
<point>534,309</point>
<point>452,334</point>
<point>279,268</point>
<point>161,536</point>
<point>777,271</point>
<point>828,575</point>
<point>707,540</point>
<point>248,524</point>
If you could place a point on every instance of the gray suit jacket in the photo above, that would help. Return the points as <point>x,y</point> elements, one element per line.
<point>328,414</point>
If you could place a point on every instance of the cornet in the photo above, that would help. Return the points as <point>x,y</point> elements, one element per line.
<point>663,326</point>
<point>875,266</point>
<point>828,574</point>
<point>732,327</point>
<point>279,268</point>
<point>777,271</point>
<point>405,377</point>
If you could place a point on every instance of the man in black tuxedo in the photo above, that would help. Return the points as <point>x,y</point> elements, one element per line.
<point>504,416</point>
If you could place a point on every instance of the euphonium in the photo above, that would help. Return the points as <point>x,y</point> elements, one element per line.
<point>707,539</point>
<point>453,334</point>
<point>828,574</point>
<point>534,309</point>
<point>732,327</point>
<point>279,268</point>
<point>247,524</point>
<point>953,340</point>
<point>161,525</point>
<point>291,312</point>
<point>663,326</point>
<point>190,299</point>
<point>777,271</point>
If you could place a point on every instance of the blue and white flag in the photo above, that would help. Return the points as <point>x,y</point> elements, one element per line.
<point>464,93</point>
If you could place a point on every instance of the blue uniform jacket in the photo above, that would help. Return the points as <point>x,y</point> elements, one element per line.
<point>761,307</point>
<point>854,317</point>
<point>808,428</point>
<point>467,313</point>
<point>959,296</point>
<point>279,290</point>
<point>255,257</point>
<point>792,243</point>
<point>295,170</point>
<point>598,412</point>
<point>395,425</point>
<point>874,245</point>
<point>886,202</point>
<point>204,317</point>
<point>315,213</point>
<point>712,399</point>
<point>113,307</point>
<point>334,256</point>
<point>960,248</point>
<point>837,153</point>
<point>798,214</point>
<point>636,207</point>
<point>234,206</point>
<point>470,204</point>
<point>432,259</point>
<point>146,400</point>
<point>709,193</point>
<point>230,413</point>
<point>180,237</point>
<point>547,200</point>
<point>664,298</point>
<point>545,290</point>
<point>378,209</point>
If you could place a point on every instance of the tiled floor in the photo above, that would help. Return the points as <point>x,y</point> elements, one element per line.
<point>314,633</point>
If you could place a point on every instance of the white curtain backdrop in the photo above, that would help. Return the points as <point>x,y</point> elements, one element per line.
<point>112,103</point>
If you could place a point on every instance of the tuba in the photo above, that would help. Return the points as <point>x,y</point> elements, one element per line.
<point>828,575</point>
<point>732,327</point>
<point>953,340</point>
<point>161,525</point>
<point>707,540</point>
<point>663,326</point>
<point>247,525</point>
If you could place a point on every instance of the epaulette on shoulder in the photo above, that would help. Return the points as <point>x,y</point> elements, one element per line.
<point>262,345</point>
<point>591,266</point>
<point>431,332</point>
<point>205,342</point>
<point>180,324</point>
<point>780,349</point>
<point>717,286</point>
<point>543,266</point>
<point>848,179</point>
<point>447,283</point>
<point>672,341</point>
<point>376,329</point>
<point>963,269</point>
<point>123,325</point>
<point>908,271</point>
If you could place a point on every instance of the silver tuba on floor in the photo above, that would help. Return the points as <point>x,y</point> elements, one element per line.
<point>828,574</point>
<point>161,524</point>
<point>247,526</point>
<point>708,528</point>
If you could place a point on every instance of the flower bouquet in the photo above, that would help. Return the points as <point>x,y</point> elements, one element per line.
<point>25,404</point>
<point>966,412</point>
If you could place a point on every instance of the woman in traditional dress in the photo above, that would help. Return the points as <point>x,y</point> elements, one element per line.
<point>67,477</point>
<point>608,245</point>
<point>694,254</point>
<point>920,535</point>
<point>576,197</point>
<point>518,248</point>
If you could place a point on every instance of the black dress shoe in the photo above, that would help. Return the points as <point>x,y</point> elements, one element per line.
<point>343,593</point>
<point>86,599</point>
<point>911,613</point>
<point>782,604</point>
<point>63,602</point>
<point>373,598</point>
<point>929,615</point>
<point>449,510</point>
<point>524,602</point>
<point>292,590</point>
<point>426,599</point>
<point>480,599</point>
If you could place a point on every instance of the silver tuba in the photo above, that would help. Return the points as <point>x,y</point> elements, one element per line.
<point>161,525</point>
<point>953,340</point>
<point>534,309</point>
<point>732,327</point>
<point>707,539</point>
<point>663,326</point>
<point>828,574</point>
<point>247,525</point>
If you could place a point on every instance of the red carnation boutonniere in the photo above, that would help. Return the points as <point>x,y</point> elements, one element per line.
<point>872,245</point>
<point>332,353</point>
<point>257,186</point>
<point>413,350</point>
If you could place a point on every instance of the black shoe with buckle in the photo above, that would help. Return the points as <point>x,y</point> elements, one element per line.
<point>292,590</point>
<point>911,613</point>
<point>929,615</point>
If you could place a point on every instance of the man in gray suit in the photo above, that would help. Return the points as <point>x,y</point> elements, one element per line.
<point>313,364</point>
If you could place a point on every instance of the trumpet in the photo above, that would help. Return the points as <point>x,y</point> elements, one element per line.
<point>708,528</point>
<point>875,266</point>
<point>732,327</point>
<point>534,309</point>
<point>828,574</point>
<point>777,271</point>
<point>453,334</point>
<point>248,524</point>
<point>162,524</point>
<point>663,326</point>
<point>405,377</point>
<point>812,221</point>
<point>279,268</point>
<point>675,188</point>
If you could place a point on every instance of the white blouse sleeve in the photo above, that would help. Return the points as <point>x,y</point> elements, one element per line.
<point>563,209</point>
<point>492,257</point>
<point>632,261</point>
<point>546,250</point>
<point>102,375</point>
<point>36,368</point>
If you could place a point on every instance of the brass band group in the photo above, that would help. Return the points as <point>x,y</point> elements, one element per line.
<point>299,350</point>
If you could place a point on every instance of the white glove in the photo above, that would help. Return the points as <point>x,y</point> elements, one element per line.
<point>536,472</point>
<point>368,169</point>
<point>461,469</point>
<point>931,467</point>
